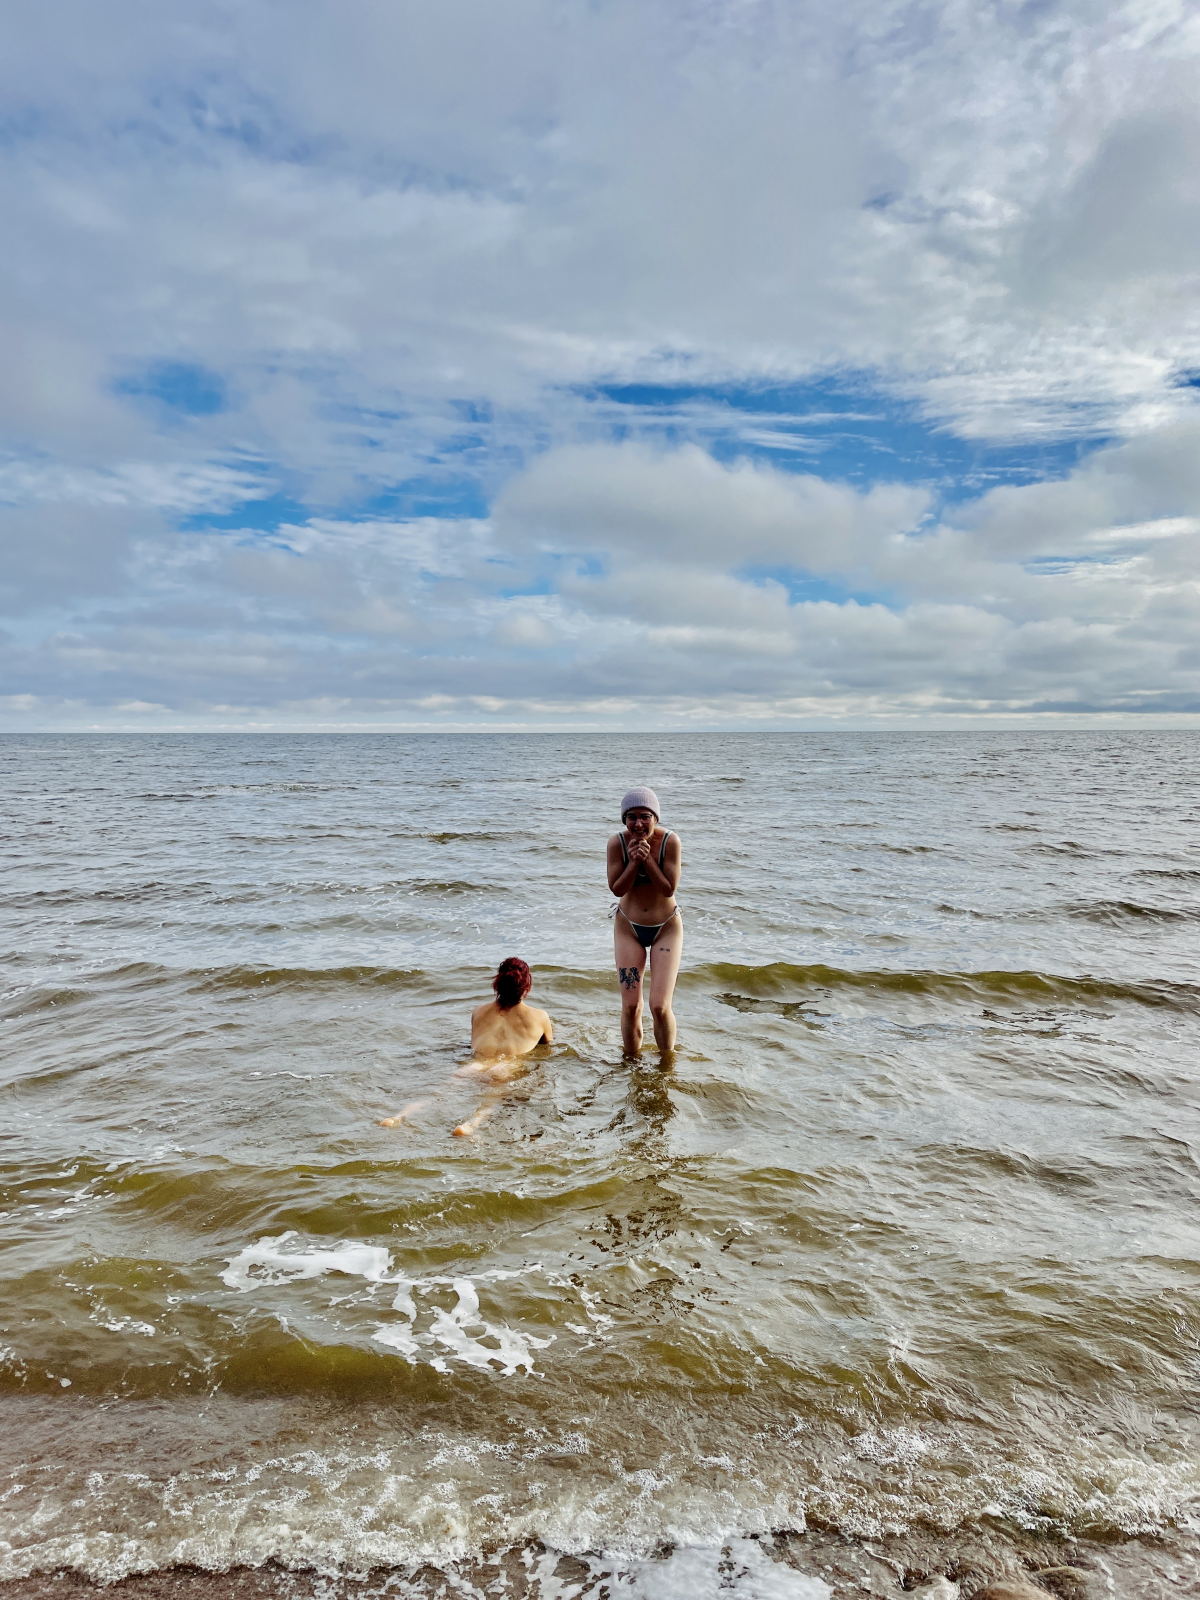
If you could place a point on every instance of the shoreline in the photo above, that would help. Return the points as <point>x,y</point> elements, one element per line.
<point>850,1569</point>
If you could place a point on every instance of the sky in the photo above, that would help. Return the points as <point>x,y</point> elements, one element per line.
<point>599,364</point>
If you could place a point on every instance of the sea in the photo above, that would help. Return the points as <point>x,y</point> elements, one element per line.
<point>888,1277</point>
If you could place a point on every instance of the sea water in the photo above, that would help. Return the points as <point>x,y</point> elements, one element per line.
<point>902,1245</point>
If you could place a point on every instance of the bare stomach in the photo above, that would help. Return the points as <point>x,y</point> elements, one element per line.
<point>647,910</point>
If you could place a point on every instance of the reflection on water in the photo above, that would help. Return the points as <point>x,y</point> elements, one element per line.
<point>650,1102</point>
<point>899,1248</point>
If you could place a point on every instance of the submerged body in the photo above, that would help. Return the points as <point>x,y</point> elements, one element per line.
<point>644,862</point>
<point>503,1032</point>
<point>500,1036</point>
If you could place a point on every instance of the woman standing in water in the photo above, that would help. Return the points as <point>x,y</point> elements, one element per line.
<point>643,869</point>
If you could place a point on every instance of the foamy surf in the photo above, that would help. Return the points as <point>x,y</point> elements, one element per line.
<point>460,1331</point>
<point>740,1567</point>
<point>265,1263</point>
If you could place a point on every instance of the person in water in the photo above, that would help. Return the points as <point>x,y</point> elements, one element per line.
<point>503,1030</point>
<point>643,871</point>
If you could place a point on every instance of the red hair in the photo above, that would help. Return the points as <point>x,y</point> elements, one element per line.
<point>512,983</point>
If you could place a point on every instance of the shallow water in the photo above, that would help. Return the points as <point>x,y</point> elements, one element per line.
<point>904,1241</point>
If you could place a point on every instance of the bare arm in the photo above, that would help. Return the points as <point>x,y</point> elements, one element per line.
<point>665,878</point>
<point>621,873</point>
<point>477,1017</point>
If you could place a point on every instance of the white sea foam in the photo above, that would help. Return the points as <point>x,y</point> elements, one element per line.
<point>265,1262</point>
<point>128,1325</point>
<point>450,1329</point>
<point>739,1568</point>
<point>462,1331</point>
<point>444,1500</point>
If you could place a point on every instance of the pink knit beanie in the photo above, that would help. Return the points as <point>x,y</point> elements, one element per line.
<point>639,797</point>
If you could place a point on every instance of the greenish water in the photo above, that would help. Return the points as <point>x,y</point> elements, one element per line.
<point>904,1238</point>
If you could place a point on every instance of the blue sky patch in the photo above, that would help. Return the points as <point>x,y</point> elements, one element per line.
<point>847,429</point>
<point>802,586</point>
<point>450,495</point>
<point>260,516</point>
<point>184,387</point>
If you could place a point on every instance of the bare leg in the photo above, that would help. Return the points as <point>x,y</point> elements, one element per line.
<point>631,963</point>
<point>410,1110</point>
<point>665,956</point>
<point>465,1129</point>
<point>495,1074</point>
<point>499,1071</point>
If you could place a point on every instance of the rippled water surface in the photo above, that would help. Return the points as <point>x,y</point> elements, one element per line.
<point>904,1241</point>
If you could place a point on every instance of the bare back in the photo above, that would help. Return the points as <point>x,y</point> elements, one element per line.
<point>514,1032</point>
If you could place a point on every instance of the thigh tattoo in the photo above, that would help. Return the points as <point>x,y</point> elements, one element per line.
<point>630,977</point>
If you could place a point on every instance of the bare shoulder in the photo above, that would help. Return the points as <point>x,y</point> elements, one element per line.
<point>481,1011</point>
<point>543,1017</point>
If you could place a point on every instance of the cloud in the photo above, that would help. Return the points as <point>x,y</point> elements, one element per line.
<point>654,579</point>
<point>202,487</point>
<point>60,555</point>
<point>1130,217</point>
<point>627,500</point>
<point>261,190</point>
<point>695,356</point>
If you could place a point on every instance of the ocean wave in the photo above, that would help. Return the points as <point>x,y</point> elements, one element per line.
<point>32,997</point>
<point>745,1566</point>
<point>1119,911</point>
<point>685,1522</point>
<point>450,886</point>
<point>216,791</point>
<point>27,1002</point>
<point>466,838</point>
<point>250,977</point>
<point>781,980</point>
<point>161,892</point>
<point>46,899</point>
<point>778,977</point>
<point>1073,848</point>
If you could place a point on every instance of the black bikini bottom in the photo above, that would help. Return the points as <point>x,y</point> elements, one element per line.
<point>645,932</point>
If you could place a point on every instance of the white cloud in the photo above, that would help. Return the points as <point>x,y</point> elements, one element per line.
<point>652,606</point>
<point>577,194</point>
<point>406,239</point>
<point>628,500</point>
<point>189,489</point>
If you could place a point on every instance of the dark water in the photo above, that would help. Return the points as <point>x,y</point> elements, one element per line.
<point>905,1241</point>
